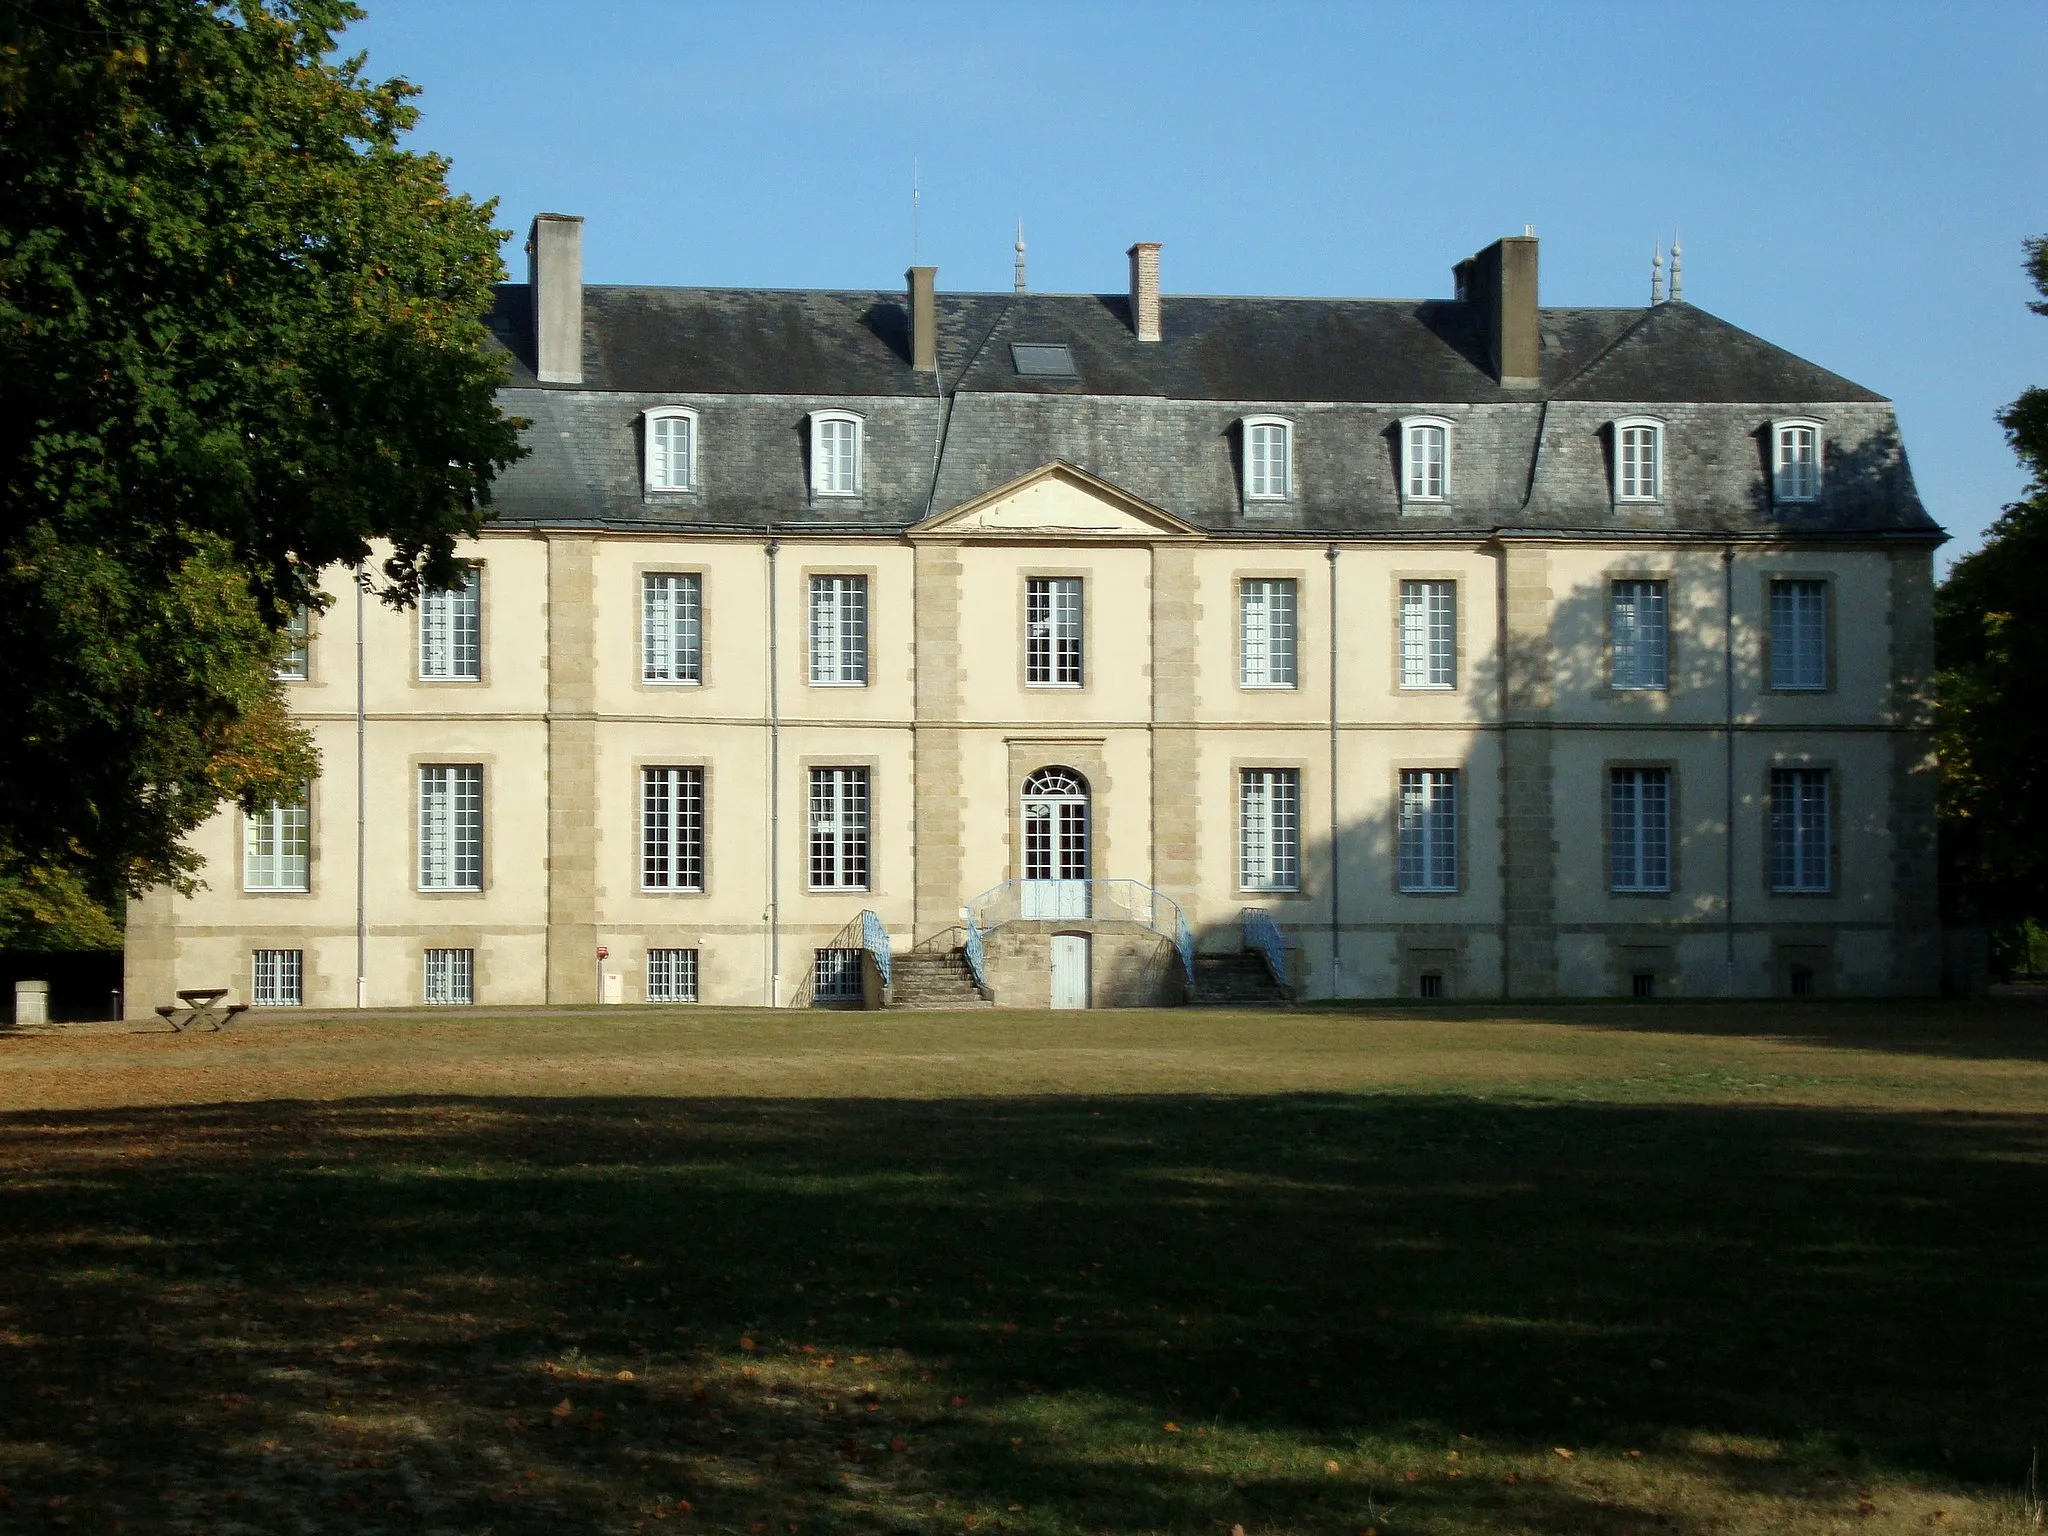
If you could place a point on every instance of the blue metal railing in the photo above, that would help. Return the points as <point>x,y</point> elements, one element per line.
<point>874,938</point>
<point>1262,936</point>
<point>977,956</point>
<point>1130,901</point>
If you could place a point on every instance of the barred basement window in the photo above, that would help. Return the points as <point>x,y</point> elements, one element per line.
<point>672,829</point>
<point>451,631</point>
<point>671,449</point>
<point>1641,636</point>
<point>295,665</point>
<point>1429,634</point>
<point>1052,631</point>
<point>835,976</point>
<point>1430,984</point>
<point>451,827</point>
<point>1268,455</point>
<point>671,628</point>
<point>1428,830</point>
<point>839,829</point>
<point>1799,635</point>
<point>1266,634</point>
<point>839,630</point>
<point>275,844</point>
<point>1269,829</point>
<point>1799,830</point>
<point>671,975</point>
<point>1638,460</point>
<point>1639,829</point>
<point>451,976</point>
<point>277,978</point>
<point>1795,461</point>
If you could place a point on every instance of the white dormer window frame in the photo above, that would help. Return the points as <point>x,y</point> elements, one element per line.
<point>669,461</point>
<point>1638,460</point>
<point>1419,435</point>
<point>1263,481</point>
<point>838,453</point>
<point>1798,453</point>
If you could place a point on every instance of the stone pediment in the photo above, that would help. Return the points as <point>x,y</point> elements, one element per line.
<point>1059,500</point>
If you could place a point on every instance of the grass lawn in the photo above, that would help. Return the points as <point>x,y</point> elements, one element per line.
<point>1602,1269</point>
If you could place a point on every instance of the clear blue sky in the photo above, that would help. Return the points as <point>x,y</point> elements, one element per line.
<point>1851,181</point>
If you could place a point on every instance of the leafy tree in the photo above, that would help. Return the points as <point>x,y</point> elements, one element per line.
<point>1991,639</point>
<point>240,339</point>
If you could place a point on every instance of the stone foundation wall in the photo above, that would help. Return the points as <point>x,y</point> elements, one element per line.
<point>1129,967</point>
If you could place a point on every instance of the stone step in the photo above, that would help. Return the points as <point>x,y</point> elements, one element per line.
<point>1240,977</point>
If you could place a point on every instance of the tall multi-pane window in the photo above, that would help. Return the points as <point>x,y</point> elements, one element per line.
<point>1268,453</point>
<point>1639,624</point>
<point>1425,455</point>
<point>1429,634</point>
<point>671,975</point>
<point>295,665</point>
<point>1052,630</point>
<point>671,628</point>
<point>1269,829</point>
<point>839,829</point>
<point>1266,633</point>
<point>835,455</point>
<point>1799,830</point>
<point>451,827</point>
<point>451,631</point>
<point>672,451</point>
<point>451,976</point>
<point>277,978</point>
<point>672,829</point>
<point>1797,461</point>
<point>1638,456</point>
<point>835,975</point>
<point>1428,832</point>
<point>839,629</point>
<point>1799,635</point>
<point>1639,829</point>
<point>276,844</point>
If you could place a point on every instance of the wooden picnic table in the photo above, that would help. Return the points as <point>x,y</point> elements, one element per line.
<point>200,1006</point>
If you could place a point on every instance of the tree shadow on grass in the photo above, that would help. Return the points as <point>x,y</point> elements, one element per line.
<point>1995,1030</point>
<point>413,1315</point>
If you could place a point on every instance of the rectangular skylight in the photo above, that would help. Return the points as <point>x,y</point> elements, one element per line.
<point>1043,360</point>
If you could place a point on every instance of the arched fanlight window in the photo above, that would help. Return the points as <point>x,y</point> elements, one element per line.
<point>1056,783</point>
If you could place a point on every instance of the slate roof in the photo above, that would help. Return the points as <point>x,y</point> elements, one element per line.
<point>1159,418</point>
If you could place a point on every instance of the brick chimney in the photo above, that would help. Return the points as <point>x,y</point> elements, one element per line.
<point>1145,290</point>
<point>554,268</point>
<point>1500,285</point>
<point>924,318</point>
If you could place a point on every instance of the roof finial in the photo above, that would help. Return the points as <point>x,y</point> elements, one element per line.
<point>1675,289</point>
<point>1657,275</point>
<point>1020,255</point>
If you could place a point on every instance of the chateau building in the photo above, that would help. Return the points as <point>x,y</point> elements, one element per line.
<point>1092,649</point>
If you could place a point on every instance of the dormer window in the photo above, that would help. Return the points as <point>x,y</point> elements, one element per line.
<point>1268,459</point>
<point>1795,460</point>
<point>1425,459</point>
<point>835,453</point>
<point>671,450</point>
<point>1638,460</point>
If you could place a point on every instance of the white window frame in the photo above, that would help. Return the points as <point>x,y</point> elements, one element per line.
<point>1639,646</point>
<point>841,826</point>
<point>1411,428</point>
<point>1429,635</point>
<point>672,628</point>
<point>1639,830</point>
<point>449,977</point>
<point>819,483</point>
<point>1426,861</point>
<point>1628,486</point>
<point>1799,644</point>
<point>1269,829</point>
<point>672,975</point>
<point>277,846</point>
<point>658,470</point>
<point>1268,632</point>
<point>1786,486</point>
<point>672,829</point>
<point>451,631</point>
<point>277,978</point>
<point>450,802</point>
<point>839,631</point>
<point>1801,831</point>
<point>1259,481</point>
<point>296,665</point>
<point>1055,631</point>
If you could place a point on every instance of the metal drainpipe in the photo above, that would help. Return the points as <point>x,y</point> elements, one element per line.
<point>774,791</point>
<point>362,818</point>
<point>1728,767</point>
<point>1336,838</point>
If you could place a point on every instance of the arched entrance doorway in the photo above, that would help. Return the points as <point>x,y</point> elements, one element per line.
<point>1055,844</point>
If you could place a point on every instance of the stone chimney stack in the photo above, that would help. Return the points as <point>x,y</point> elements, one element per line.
<point>1500,284</point>
<point>924,318</point>
<point>554,267</point>
<point>1145,290</point>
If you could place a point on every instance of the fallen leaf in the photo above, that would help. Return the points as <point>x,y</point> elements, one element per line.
<point>747,1345</point>
<point>1633,1455</point>
<point>1332,1468</point>
<point>1172,1428</point>
<point>898,1444</point>
<point>1567,1455</point>
<point>624,1376</point>
<point>563,1409</point>
<point>956,1402</point>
